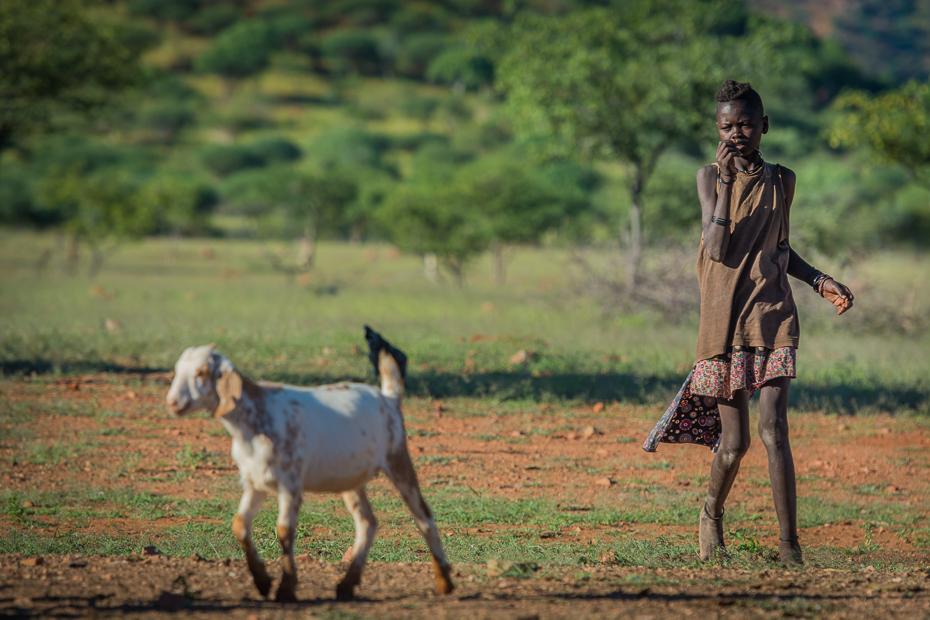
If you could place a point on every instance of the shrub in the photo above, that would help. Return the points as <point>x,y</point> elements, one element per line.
<point>224,160</point>
<point>241,50</point>
<point>276,149</point>
<point>214,19</point>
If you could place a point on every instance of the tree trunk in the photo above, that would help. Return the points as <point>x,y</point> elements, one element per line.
<point>305,250</point>
<point>635,249</point>
<point>456,267</point>
<point>96,262</point>
<point>431,267</point>
<point>497,263</point>
<point>72,256</point>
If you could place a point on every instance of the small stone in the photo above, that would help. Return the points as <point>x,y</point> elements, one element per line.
<point>601,452</point>
<point>516,434</point>
<point>598,407</point>
<point>603,481</point>
<point>891,489</point>
<point>28,504</point>
<point>608,558</point>
<point>196,557</point>
<point>520,357</point>
<point>817,464</point>
<point>589,431</point>
<point>77,563</point>
<point>36,561</point>
<point>571,436</point>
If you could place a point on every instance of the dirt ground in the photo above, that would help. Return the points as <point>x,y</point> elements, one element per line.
<point>99,586</point>
<point>583,456</point>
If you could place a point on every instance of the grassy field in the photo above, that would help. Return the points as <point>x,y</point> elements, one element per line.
<point>533,465</point>
<point>161,296</point>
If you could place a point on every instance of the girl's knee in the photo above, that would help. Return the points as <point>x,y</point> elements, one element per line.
<point>774,433</point>
<point>734,452</point>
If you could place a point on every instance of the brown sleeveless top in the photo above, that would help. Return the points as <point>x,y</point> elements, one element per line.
<point>746,299</point>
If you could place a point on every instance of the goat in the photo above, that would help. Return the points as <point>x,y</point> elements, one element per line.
<point>327,439</point>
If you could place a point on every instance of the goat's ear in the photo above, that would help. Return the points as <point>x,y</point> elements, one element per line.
<point>212,346</point>
<point>229,389</point>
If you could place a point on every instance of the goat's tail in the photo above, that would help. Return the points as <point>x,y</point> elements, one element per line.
<point>390,363</point>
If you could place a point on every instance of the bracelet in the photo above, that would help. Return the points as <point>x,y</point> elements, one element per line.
<point>720,178</point>
<point>819,281</point>
<point>812,277</point>
<point>722,222</point>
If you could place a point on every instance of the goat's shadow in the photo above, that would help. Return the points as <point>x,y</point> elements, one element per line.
<point>654,389</point>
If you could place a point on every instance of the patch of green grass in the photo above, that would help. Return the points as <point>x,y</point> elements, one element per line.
<point>190,457</point>
<point>438,460</point>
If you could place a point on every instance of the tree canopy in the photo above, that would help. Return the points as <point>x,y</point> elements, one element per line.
<point>57,56</point>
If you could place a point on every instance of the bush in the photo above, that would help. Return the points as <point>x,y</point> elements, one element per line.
<point>224,160</point>
<point>349,147</point>
<point>173,10</point>
<point>276,149</point>
<point>213,20</point>
<point>417,51</point>
<point>461,65</point>
<point>351,51</point>
<point>239,51</point>
<point>167,119</point>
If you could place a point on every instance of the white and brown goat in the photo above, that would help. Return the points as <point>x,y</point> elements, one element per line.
<point>327,439</point>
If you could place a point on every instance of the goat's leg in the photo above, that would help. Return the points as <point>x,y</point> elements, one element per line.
<point>404,477</point>
<point>288,509</point>
<point>366,525</point>
<point>242,527</point>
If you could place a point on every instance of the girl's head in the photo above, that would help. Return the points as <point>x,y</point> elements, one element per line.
<point>741,118</point>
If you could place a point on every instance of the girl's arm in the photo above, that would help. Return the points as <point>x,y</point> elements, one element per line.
<point>715,205</point>
<point>831,290</point>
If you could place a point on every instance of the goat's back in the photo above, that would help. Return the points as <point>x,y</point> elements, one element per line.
<point>340,434</point>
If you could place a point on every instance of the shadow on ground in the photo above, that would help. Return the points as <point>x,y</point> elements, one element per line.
<point>624,387</point>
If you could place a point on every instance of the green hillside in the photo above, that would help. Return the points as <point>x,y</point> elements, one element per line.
<point>400,121</point>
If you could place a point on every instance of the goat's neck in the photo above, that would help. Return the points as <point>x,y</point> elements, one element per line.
<point>250,417</point>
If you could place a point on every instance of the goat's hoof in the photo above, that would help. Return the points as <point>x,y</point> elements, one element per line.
<point>345,592</point>
<point>443,579</point>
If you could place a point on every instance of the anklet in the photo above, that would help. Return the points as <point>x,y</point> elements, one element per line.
<point>707,514</point>
<point>792,539</point>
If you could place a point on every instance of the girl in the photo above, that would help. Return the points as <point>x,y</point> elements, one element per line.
<point>748,330</point>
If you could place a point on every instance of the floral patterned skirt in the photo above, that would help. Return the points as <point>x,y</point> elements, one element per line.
<point>693,416</point>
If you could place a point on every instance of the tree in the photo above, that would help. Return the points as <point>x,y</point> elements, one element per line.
<point>626,82</point>
<point>239,51</point>
<point>314,203</point>
<point>102,210</point>
<point>56,56</point>
<point>429,218</point>
<point>516,202</point>
<point>895,125</point>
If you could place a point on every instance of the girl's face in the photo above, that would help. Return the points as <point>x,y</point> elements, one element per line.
<point>742,126</point>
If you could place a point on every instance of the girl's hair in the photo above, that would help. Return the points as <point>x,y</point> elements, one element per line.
<point>740,91</point>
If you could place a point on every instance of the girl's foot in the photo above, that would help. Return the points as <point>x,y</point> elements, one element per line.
<point>789,552</point>
<point>710,535</point>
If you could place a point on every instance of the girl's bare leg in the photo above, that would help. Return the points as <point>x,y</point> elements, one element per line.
<point>734,443</point>
<point>773,429</point>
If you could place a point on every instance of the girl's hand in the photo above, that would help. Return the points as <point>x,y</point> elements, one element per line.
<point>838,294</point>
<point>726,158</point>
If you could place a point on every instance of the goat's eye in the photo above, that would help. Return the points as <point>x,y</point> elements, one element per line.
<point>203,372</point>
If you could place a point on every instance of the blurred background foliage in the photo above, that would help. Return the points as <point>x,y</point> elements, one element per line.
<point>454,127</point>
